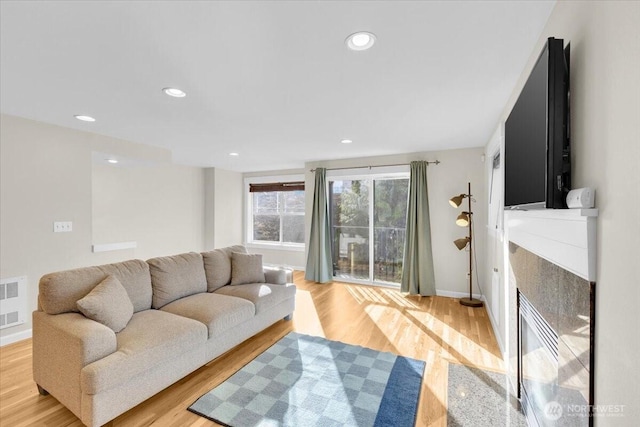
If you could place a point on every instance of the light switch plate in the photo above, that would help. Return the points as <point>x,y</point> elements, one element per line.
<point>62,226</point>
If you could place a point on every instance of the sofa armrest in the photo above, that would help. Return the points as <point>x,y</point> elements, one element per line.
<point>278,275</point>
<point>62,345</point>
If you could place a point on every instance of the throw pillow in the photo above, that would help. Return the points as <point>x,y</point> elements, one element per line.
<point>108,303</point>
<point>246,268</point>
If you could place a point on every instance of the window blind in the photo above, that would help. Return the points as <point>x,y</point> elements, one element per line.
<point>276,186</point>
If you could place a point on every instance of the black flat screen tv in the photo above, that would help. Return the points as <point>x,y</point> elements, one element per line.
<point>537,154</point>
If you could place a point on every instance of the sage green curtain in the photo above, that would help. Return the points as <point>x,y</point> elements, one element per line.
<point>417,271</point>
<point>319,261</point>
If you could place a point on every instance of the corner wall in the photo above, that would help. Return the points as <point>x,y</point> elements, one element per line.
<point>228,204</point>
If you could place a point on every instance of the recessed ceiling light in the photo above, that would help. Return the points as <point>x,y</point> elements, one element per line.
<point>84,118</point>
<point>234,154</point>
<point>361,40</point>
<point>172,91</point>
<point>346,141</point>
<point>112,161</point>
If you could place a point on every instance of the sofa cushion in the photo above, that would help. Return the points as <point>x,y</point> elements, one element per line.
<point>262,295</point>
<point>217,265</point>
<point>150,338</point>
<point>176,276</point>
<point>59,292</point>
<point>246,268</point>
<point>219,312</point>
<point>108,303</point>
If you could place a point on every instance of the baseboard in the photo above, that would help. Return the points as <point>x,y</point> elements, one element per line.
<point>494,325</point>
<point>18,336</point>
<point>452,294</point>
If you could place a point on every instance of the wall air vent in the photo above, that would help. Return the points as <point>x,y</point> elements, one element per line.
<point>13,301</point>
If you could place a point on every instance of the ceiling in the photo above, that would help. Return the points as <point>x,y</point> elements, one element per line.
<point>271,80</point>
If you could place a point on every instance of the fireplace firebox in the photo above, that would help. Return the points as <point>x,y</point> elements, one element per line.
<point>538,363</point>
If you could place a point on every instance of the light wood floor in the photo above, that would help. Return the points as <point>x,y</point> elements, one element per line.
<point>437,330</point>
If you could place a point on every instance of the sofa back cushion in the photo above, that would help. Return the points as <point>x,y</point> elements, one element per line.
<point>59,292</point>
<point>217,265</point>
<point>177,276</point>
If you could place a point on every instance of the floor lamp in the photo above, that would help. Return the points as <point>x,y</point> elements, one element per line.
<point>464,220</point>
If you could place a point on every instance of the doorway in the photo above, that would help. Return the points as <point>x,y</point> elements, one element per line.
<point>368,227</point>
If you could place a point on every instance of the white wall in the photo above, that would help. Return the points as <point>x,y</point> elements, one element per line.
<point>154,205</point>
<point>46,176</point>
<point>282,257</point>
<point>605,126</point>
<point>445,180</point>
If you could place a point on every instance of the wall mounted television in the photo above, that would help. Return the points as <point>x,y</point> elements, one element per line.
<point>537,153</point>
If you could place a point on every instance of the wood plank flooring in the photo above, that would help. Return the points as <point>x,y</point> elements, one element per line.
<point>437,330</point>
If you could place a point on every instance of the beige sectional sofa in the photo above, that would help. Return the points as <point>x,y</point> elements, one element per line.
<point>106,338</point>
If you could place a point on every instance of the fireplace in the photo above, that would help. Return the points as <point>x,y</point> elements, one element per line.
<point>552,272</point>
<point>538,362</point>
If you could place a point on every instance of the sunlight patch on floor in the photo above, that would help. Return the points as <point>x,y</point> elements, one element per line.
<point>398,298</point>
<point>397,326</point>
<point>368,294</point>
<point>306,316</point>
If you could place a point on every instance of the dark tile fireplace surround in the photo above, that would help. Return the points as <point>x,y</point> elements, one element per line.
<point>555,324</point>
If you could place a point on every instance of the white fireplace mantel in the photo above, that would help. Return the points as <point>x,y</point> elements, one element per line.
<point>566,237</point>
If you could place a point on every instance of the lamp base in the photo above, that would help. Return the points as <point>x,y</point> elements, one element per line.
<point>471,302</point>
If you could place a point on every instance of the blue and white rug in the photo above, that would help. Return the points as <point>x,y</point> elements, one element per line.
<point>306,381</point>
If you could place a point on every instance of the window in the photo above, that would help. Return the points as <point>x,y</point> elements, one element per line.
<point>275,212</point>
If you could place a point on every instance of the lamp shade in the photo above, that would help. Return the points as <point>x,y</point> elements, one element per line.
<point>463,219</point>
<point>456,201</point>
<point>461,243</point>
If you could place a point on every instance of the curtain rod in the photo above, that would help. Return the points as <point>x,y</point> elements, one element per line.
<point>435,162</point>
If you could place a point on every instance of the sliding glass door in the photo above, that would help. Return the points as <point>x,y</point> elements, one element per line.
<point>389,228</point>
<point>368,222</point>
<point>349,210</point>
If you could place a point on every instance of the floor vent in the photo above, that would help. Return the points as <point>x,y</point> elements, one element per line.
<point>13,301</point>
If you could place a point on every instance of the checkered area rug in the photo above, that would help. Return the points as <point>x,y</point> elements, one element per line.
<point>310,381</point>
